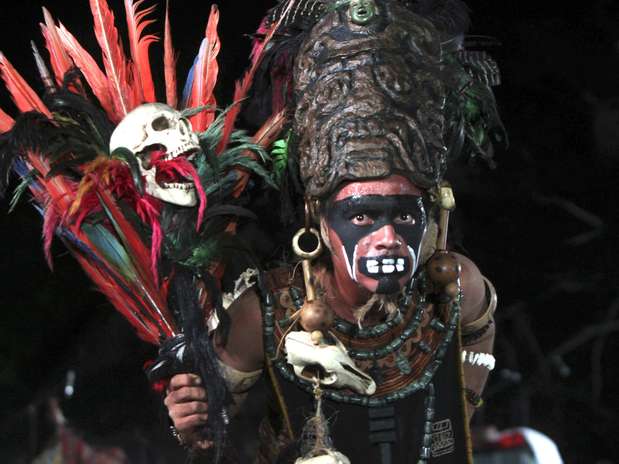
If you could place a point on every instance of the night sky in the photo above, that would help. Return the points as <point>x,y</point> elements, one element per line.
<point>543,226</point>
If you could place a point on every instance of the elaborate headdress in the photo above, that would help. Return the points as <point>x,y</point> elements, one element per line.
<point>381,87</point>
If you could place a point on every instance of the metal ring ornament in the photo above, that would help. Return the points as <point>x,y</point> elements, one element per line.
<point>304,254</point>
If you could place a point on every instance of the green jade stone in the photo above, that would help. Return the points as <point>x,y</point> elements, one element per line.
<point>362,11</point>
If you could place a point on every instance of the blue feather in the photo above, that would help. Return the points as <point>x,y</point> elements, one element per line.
<point>189,82</point>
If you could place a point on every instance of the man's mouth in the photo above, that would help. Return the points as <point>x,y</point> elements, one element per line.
<point>379,266</point>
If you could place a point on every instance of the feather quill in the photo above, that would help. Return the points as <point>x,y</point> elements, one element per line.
<point>59,59</point>
<point>206,70</point>
<point>22,94</point>
<point>115,63</point>
<point>90,69</point>
<point>140,44</point>
<point>169,62</point>
<point>46,77</point>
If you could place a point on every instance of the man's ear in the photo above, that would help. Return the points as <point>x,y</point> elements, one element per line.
<point>324,233</point>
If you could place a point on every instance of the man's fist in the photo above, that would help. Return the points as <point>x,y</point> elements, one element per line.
<point>187,407</point>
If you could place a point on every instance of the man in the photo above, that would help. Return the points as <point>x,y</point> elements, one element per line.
<point>377,236</point>
<point>375,333</point>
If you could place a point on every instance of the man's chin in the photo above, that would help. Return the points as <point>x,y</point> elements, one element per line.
<point>388,286</point>
<point>384,285</point>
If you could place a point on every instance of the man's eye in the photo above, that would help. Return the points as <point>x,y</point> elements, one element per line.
<point>404,218</point>
<point>361,220</point>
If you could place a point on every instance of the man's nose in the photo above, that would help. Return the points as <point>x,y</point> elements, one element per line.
<point>387,238</point>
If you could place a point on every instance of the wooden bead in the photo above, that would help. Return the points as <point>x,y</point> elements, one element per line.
<point>452,289</point>
<point>444,268</point>
<point>317,337</point>
<point>316,316</point>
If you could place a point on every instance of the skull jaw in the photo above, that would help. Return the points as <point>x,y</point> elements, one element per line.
<point>185,196</point>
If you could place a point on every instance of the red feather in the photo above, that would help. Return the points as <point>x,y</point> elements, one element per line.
<point>242,87</point>
<point>169,63</point>
<point>140,43</point>
<point>115,63</point>
<point>24,97</point>
<point>59,59</point>
<point>135,247</point>
<point>146,330</point>
<point>44,73</point>
<point>205,74</point>
<point>6,122</point>
<point>90,69</point>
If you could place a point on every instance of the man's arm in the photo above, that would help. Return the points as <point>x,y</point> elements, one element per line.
<point>478,330</point>
<point>241,358</point>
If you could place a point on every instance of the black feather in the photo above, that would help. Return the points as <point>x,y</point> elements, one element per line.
<point>201,348</point>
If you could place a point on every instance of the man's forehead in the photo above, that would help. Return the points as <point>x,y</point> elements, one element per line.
<point>393,185</point>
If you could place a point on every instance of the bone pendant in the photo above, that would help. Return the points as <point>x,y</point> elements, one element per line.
<point>339,369</point>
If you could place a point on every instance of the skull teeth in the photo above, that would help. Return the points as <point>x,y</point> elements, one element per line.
<point>179,186</point>
<point>185,148</point>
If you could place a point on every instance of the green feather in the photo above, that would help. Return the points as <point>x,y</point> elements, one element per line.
<point>112,250</point>
<point>21,188</point>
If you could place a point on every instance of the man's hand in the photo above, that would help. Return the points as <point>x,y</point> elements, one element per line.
<point>187,407</point>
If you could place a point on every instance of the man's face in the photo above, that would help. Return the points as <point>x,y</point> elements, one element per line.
<point>375,230</point>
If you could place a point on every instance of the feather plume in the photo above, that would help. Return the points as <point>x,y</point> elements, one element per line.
<point>242,87</point>
<point>115,63</point>
<point>59,59</point>
<point>206,70</point>
<point>90,69</point>
<point>136,249</point>
<point>124,299</point>
<point>140,43</point>
<point>265,136</point>
<point>24,97</point>
<point>169,62</point>
<point>46,77</point>
<point>6,122</point>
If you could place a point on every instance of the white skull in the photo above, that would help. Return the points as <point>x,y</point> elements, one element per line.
<point>340,369</point>
<point>332,457</point>
<point>157,125</point>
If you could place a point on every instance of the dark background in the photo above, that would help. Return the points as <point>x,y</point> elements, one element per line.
<point>543,226</point>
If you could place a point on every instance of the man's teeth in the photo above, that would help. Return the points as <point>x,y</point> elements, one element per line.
<point>385,266</point>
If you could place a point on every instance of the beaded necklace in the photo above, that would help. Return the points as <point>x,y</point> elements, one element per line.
<point>403,379</point>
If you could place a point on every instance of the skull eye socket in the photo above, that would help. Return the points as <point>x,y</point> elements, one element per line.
<point>161,123</point>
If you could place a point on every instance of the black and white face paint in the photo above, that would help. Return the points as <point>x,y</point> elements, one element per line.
<point>381,237</point>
